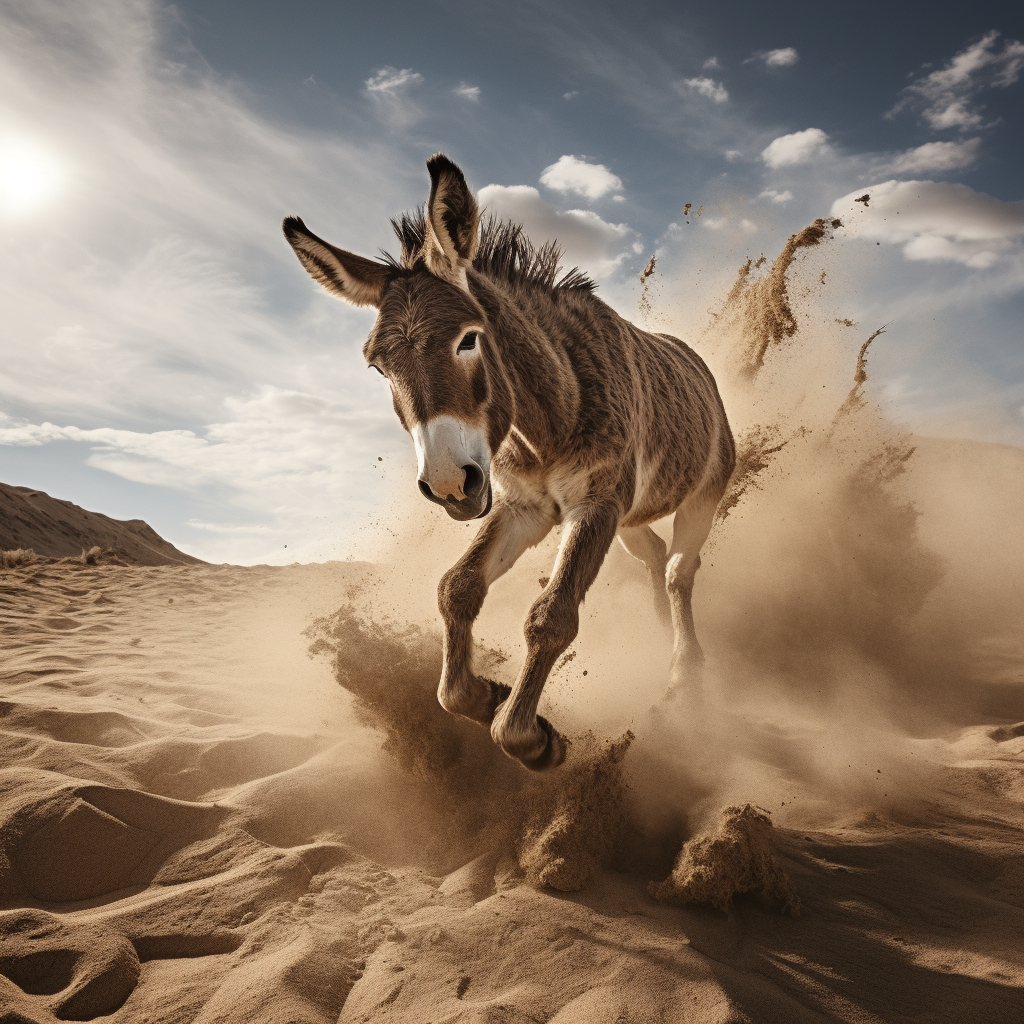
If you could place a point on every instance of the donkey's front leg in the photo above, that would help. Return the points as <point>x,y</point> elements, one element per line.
<point>506,534</point>
<point>551,626</point>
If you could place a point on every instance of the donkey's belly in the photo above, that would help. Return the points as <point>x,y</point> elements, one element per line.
<point>656,493</point>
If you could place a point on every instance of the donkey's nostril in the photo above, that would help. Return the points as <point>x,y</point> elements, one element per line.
<point>426,491</point>
<point>474,482</point>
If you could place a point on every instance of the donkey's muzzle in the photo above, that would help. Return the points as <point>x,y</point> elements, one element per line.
<point>454,465</point>
<point>476,488</point>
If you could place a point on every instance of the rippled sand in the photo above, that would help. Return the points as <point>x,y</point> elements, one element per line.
<point>198,823</point>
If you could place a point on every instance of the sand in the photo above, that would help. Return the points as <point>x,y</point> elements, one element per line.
<point>199,824</point>
<point>229,794</point>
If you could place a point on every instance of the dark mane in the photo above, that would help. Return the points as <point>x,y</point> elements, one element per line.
<point>505,254</point>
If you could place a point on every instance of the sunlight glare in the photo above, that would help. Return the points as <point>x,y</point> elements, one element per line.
<point>28,176</point>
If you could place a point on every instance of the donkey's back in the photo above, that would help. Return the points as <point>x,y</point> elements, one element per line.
<point>647,419</point>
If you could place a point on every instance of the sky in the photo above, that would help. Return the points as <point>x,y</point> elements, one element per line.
<point>163,356</point>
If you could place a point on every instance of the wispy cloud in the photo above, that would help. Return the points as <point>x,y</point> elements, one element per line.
<point>947,98</point>
<point>588,241</point>
<point>784,57</point>
<point>936,221</point>
<point>391,80</point>
<point>574,174</point>
<point>467,92</point>
<point>198,524</point>
<point>937,156</point>
<point>279,449</point>
<point>781,58</point>
<point>391,90</point>
<point>797,148</point>
<point>775,196</point>
<point>707,87</point>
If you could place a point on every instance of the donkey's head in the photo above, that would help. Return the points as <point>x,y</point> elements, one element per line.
<point>431,339</point>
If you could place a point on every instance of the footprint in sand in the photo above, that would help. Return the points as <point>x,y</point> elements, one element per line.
<point>73,971</point>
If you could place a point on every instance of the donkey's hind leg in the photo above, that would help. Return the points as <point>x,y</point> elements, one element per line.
<point>690,528</point>
<point>643,543</point>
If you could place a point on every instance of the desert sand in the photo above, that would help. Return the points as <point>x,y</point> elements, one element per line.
<point>196,827</point>
<point>228,794</point>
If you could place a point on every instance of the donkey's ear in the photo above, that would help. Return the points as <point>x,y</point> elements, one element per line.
<point>350,277</point>
<point>453,220</point>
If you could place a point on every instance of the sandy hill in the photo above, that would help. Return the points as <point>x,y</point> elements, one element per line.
<point>33,520</point>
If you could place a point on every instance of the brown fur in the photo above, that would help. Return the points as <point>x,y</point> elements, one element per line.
<point>591,422</point>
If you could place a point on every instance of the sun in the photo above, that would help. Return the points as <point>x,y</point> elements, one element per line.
<point>29,176</point>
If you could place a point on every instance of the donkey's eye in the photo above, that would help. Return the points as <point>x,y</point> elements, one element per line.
<point>468,343</point>
<point>378,369</point>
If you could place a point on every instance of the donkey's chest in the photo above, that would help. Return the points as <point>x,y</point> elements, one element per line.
<point>553,489</point>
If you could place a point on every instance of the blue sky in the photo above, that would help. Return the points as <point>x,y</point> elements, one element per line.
<point>163,356</point>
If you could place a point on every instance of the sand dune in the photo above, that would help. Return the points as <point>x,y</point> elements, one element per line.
<point>32,520</point>
<point>195,827</point>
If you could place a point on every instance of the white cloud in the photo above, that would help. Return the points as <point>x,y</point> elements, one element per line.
<point>775,196</point>
<point>724,225</point>
<point>573,174</point>
<point>937,156</point>
<point>935,221</point>
<point>945,97</point>
<point>390,80</point>
<point>588,241</point>
<point>571,95</point>
<point>732,155</point>
<point>711,64</point>
<point>784,57</point>
<point>279,448</point>
<point>796,148</point>
<point>467,92</point>
<point>781,58</point>
<point>707,87</point>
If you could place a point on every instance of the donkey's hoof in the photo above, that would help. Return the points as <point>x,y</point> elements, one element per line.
<point>478,702</point>
<point>553,754</point>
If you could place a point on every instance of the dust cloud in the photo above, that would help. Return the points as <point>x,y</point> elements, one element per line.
<point>859,608</point>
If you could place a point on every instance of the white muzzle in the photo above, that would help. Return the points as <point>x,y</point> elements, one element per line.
<point>454,463</point>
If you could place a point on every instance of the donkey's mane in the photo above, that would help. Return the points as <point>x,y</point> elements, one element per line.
<point>505,254</point>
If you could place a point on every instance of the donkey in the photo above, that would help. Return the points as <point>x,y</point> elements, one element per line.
<point>531,400</point>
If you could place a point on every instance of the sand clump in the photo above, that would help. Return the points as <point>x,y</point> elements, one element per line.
<point>736,859</point>
<point>586,824</point>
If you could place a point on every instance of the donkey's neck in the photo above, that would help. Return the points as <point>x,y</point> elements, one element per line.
<point>545,394</point>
